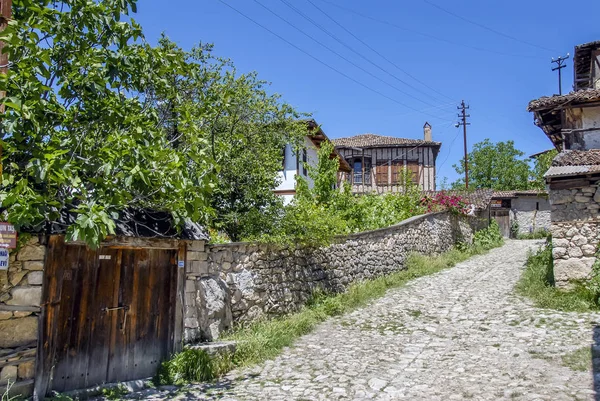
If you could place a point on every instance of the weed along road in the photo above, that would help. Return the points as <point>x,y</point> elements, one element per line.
<point>459,334</point>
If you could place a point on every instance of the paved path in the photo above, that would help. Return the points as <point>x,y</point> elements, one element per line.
<point>459,334</point>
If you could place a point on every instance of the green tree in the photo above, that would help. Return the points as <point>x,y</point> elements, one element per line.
<point>498,166</point>
<point>80,131</point>
<point>246,127</point>
<point>541,164</point>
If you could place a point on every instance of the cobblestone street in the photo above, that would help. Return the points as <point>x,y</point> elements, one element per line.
<point>459,334</point>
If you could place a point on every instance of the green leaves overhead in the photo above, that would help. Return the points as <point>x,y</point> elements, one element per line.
<point>98,121</point>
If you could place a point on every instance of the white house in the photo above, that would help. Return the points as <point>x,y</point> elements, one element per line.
<point>295,164</point>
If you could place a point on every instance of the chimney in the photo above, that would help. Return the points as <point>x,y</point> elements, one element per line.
<point>427,132</point>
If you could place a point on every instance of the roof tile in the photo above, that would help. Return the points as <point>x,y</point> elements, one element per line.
<point>587,95</point>
<point>373,140</point>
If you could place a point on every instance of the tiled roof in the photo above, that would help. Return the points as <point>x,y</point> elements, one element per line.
<point>517,193</point>
<point>480,197</point>
<point>546,102</point>
<point>577,158</point>
<point>373,140</point>
<point>575,162</point>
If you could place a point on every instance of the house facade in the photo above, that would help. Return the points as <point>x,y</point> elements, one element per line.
<point>572,123</point>
<point>521,212</point>
<point>295,162</point>
<point>381,164</point>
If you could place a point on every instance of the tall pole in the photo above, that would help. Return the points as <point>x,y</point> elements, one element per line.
<point>463,116</point>
<point>5,15</point>
<point>559,66</point>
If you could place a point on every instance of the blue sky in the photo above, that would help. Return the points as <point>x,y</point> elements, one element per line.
<point>495,74</point>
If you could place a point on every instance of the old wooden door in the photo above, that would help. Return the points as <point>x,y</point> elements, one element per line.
<point>108,316</point>
<point>502,216</point>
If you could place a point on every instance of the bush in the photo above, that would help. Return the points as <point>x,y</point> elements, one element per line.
<point>190,365</point>
<point>537,283</point>
<point>488,238</point>
<point>537,234</point>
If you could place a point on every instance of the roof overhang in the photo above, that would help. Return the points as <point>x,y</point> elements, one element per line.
<point>317,136</point>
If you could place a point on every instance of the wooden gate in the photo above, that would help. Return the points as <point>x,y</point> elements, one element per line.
<point>108,314</point>
<point>502,216</point>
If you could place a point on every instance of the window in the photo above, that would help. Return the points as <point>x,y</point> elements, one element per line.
<point>397,172</point>
<point>413,171</point>
<point>381,173</point>
<point>304,161</point>
<point>358,173</point>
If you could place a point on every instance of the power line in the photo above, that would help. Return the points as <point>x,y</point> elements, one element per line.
<point>338,54</point>
<point>427,35</point>
<point>378,53</point>
<point>320,61</point>
<point>308,18</point>
<point>486,27</point>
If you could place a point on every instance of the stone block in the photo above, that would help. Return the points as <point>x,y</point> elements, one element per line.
<point>33,265</point>
<point>35,278</point>
<point>18,332</point>
<point>15,277</point>
<point>597,195</point>
<point>579,240</point>
<point>575,252</point>
<point>560,243</point>
<point>558,252</point>
<point>571,232</point>
<point>196,256</point>
<point>558,199</point>
<point>26,296</point>
<point>214,308</point>
<point>32,252</point>
<point>569,270</point>
<point>588,250</point>
<point>26,370</point>
<point>197,246</point>
<point>190,285</point>
<point>198,267</point>
<point>191,323</point>
<point>582,199</point>
<point>21,314</point>
<point>8,373</point>
<point>5,315</point>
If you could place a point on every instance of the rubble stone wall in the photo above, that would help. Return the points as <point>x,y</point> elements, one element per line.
<point>531,214</point>
<point>20,296</point>
<point>575,233</point>
<point>241,282</point>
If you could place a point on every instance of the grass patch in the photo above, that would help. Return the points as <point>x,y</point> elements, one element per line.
<point>115,393</point>
<point>537,283</point>
<point>579,360</point>
<point>193,366</point>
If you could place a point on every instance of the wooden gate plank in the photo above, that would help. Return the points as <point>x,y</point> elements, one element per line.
<point>51,292</point>
<point>101,318</point>
<point>141,312</point>
<point>82,315</point>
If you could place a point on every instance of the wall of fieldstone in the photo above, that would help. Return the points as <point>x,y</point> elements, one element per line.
<point>241,282</point>
<point>575,232</point>
<point>20,295</point>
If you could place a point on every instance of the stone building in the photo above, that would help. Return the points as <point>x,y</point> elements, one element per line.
<point>378,162</point>
<point>572,123</point>
<point>521,212</point>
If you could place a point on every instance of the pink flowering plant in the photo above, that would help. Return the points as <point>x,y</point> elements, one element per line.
<point>445,201</point>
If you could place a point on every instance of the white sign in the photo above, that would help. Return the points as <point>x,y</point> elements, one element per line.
<point>4,259</point>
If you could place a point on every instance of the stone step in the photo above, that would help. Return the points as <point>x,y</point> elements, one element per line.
<point>216,348</point>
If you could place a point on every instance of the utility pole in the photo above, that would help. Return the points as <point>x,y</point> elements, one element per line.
<point>5,15</point>
<point>463,116</point>
<point>559,66</point>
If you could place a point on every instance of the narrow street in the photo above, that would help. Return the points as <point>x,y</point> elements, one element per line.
<point>459,334</point>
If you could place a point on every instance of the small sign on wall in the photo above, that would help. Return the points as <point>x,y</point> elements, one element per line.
<point>4,256</point>
<point>8,236</point>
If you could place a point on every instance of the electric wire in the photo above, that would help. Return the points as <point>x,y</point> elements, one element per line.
<point>322,62</point>
<point>487,27</point>
<point>427,35</point>
<point>379,53</point>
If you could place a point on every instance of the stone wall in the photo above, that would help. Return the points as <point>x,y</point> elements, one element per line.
<point>575,232</point>
<point>531,214</point>
<point>21,291</point>
<point>244,281</point>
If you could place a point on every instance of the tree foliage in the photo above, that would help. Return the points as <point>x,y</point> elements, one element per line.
<point>98,121</point>
<point>498,166</point>
<point>541,165</point>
